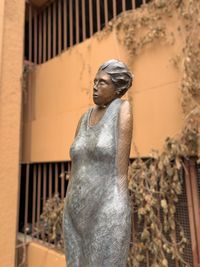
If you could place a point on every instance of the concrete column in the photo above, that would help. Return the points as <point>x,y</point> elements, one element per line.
<point>11,62</point>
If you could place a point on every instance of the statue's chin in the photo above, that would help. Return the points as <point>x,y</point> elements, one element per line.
<point>96,101</point>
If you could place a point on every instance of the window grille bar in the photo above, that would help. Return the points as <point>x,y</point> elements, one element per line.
<point>65,24</point>
<point>77,21</point>
<point>38,198</point>
<point>106,11</point>
<point>133,4</point>
<point>44,184</point>
<point>44,35</point>
<point>70,23</point>
<point>56,178</point>
<point>123,5</point>
<point>50,187</point>
<point>34,199</point>
<point>40,38</point>
<point>49,32</point>
<point>54,29</point>
<point>26,200</point>
<point>50,180</point>
<point>35,37</point>
<point>83,20</point>
<point>62,180</point>
<point>114,9</point>
<point>30,33</point>
<point>59,27</point>
<point>44,194</point>
<point>98,16</point>
<point>91,17</point>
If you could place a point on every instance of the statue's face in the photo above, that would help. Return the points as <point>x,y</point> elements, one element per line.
<point>104,91</point>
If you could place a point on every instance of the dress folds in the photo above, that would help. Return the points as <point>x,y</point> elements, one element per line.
<point>96,218</point>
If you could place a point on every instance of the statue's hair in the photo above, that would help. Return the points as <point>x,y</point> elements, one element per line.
<point>119,73</point>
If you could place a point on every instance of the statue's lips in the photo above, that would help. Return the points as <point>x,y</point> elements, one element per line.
<point>95,95</point>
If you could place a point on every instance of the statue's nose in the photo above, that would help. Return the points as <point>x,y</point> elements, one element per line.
<point>95,87</point>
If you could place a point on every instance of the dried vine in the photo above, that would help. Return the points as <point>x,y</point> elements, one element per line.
<point>156,186</point>
<point>50,224</point>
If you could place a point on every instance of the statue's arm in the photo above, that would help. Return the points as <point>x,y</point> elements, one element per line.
<point>125,127</point>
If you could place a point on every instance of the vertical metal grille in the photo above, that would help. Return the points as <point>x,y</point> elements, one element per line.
<point>40,182</point>
<point>64,23</point>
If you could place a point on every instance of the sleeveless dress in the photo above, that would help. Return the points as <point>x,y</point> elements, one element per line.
<point>96,220</point>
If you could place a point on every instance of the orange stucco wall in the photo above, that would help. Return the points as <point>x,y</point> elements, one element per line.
<point>11,59</point>
<point>61,90</point>
<point>41,256</point>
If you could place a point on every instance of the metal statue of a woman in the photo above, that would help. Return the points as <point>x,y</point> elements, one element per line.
<point>97,221</point>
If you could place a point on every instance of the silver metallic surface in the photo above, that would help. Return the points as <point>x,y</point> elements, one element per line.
<point>97,212</point>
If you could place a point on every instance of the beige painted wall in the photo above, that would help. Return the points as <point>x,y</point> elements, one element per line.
<point>11,58</point>
<point>61,90</point>
<point>41,256</point>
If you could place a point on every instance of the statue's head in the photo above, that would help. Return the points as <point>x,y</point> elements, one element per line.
<point>119,73</point>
